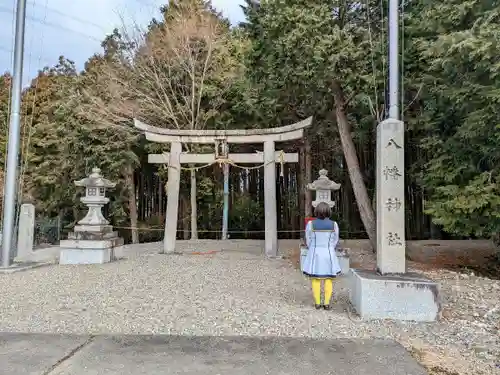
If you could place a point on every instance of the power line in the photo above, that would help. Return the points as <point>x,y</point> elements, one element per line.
<point>60,27</point>
<point>148,3</point>
<point>46,60</point>
<point>6,50</point>
<point>26,140</point>
<point>74,18</point>
<point>77,19</point>
<point>52,25</point>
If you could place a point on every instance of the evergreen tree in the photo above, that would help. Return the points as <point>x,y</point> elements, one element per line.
<point>312,58</point>
<point>458,44</point>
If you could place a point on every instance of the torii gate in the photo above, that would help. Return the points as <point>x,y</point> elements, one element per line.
<point>221,138</point>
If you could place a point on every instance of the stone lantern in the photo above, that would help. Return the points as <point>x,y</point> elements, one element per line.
<point>95,197</point>
<point>93,240</point>
<point>323,187</point>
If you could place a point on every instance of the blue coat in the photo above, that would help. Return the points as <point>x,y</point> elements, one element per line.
<point>322,236</point>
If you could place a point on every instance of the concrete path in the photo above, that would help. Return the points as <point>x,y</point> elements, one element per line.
<point>48,354</point>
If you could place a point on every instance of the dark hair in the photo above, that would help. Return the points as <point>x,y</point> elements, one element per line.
<point>322,210</point>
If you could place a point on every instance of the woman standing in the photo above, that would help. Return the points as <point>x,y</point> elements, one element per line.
<point>321,263</point>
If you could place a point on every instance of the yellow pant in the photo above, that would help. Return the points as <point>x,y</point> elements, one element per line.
<point>316,288</point>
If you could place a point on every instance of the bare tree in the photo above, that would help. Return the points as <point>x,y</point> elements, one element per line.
<point>175,75</point>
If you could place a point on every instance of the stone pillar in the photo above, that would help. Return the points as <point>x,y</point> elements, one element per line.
<point>390,198</point>
<point>391,293</point>
<point>26,232</point>
<point>271,243</point>
<point>173,185</point>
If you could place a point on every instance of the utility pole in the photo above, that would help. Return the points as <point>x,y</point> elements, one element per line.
<point>394,59</point>
<point>14,140</point>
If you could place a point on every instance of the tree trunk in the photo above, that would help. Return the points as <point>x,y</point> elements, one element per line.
<point>184,222</point>
<point>159,210</point>
<point>76,214</point>
<point>132,203</point>
<point>253,188</point>
<point>194,208</point>
<point>302,186</point>
<point>292,185</point>
<point>358,185</point>
<point>435,232</point>
<point>308,177</point>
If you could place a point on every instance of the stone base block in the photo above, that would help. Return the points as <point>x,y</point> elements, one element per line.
<point>345,263</point>
<point>399,297</point>
<point>91,244</point>
<point>86,256</point>
<point>344,260</point>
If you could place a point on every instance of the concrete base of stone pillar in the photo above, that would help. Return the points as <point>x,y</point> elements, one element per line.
<point>90,245</point>
<point>399,297</point>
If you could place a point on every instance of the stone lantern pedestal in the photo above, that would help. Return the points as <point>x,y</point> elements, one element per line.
<point>93,240</point>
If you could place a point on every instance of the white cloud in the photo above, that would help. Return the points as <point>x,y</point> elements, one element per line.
<point>75,28</point>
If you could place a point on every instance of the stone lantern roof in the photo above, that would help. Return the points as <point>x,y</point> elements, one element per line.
<point>323,182</point>
<point>95,179</point>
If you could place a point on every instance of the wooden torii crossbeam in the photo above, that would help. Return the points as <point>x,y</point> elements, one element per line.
<point>269,157</point>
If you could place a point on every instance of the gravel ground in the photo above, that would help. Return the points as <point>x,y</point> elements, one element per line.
<point>240,293</point>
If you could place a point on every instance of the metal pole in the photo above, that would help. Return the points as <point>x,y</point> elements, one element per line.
<point>10,187</point>
<point>394,59</point>
<point>225,214</point>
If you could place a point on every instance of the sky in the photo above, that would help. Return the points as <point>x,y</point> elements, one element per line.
<point>75,28</point>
